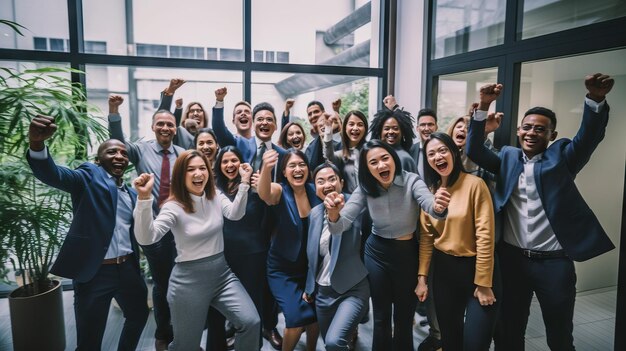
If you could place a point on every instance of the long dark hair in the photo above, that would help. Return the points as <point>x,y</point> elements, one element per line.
<point>178,190</point>
<point>344,134</point>
<point>186,114</point>
<point>431,177</point>
<point>405,122</point>
<point>367,182</point>
<point>221,181</point>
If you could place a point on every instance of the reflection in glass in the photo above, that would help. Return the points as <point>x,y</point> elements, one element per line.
<point>549,16</point>
<point>457,91</point>
<point>328,32</point>
<point>356,93</point>
<point>465,25</point>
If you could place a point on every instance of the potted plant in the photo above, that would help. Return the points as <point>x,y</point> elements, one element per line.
<point>34,217</point>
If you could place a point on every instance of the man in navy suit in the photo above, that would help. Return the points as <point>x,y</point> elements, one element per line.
<point>543,221</point>
<point>99,253</point>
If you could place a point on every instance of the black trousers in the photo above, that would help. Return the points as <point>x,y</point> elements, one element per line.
<point>392,266</point>
<point>160,257</point>
<point>465,325</point>
<point>553,280</point>
<point>92,301</point>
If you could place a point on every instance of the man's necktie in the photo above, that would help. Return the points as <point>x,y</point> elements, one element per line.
<point>258,159</point>
<point>164,184</point>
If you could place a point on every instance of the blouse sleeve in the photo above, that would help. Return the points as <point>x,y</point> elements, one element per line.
<point>427,240</point>
<point>148,230</point>
<point>352,209</point>
<point>485,234</point>
<point>236,209</point>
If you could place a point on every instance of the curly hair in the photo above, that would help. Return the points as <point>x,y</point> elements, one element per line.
<point>405,121</point>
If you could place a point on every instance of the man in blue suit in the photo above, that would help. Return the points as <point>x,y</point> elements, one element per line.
<point>541,217</point>
<point>99,253</point>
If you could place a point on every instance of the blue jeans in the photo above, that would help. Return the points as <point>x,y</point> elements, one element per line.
<point>160,256</point>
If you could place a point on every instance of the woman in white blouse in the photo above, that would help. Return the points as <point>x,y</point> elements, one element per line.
<point>201,277</point>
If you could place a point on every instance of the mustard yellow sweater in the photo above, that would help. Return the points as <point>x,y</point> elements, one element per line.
<point>468,230</point>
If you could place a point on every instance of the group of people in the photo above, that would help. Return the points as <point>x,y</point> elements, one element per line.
<point>236,228</point>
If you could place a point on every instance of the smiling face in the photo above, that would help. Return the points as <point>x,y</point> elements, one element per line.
<point>296,171</point>
<point>113,157</point>
<point>535,134</point>
<point>381,166</point>
<point>196,112</point>
<point>426,125</point>
<point>242,118</point>
<point>207,145</point>
<point>459,133</point>
<point>295,137</point>
<point>327,181</point>
<point>196,176</point>
<point>164,128</point>
<point>439,158</point>
<point>314,112</point>
<point>391,133</point>
<point>230,165</point>
<point>264,125</point>
<point>355,130</point>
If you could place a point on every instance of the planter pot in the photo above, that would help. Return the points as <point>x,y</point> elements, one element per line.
<point>37,322</point>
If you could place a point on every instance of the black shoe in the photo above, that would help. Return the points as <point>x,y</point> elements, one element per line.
<point>273,336</point>
<point>430,344</point>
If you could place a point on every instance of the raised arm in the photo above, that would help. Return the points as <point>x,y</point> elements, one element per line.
<point>435,205</point>
<point>168,94</point>
<point>115,128</point>
<point>224,136</point>
<point>340,216</point>
<point>475,147</point>
<point>178,111</point>
<point>236,209</point>
<point>268,191</point>
<point>287,113</point>
<point>148,230</point>
<point>594,122</point>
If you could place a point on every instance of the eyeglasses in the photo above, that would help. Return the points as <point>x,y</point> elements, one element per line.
<point>536,128</point>
<point>443,151</point>
<point>196,110</point>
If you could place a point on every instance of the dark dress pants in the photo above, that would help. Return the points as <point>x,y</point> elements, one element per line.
<point>553,280</point>
<point>160,257</point>
<point>92,301</point>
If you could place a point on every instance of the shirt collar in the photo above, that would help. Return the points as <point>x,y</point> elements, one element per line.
<point>268,144</point>
<point>158,148</point>
<point>534,159</point>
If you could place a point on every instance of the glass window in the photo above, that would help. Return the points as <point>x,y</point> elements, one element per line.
<point>356,93</point>
<point>148,83</point>
<point>269,56</point>
<point>151,50</point>
<point>257,56</point>
<point>282,57</point>
<point>95,47</point>
<point>231,54</point>
<point>465,25</point>
<point>548,16</point>
<point>53,24</point>
<point>40,43</point>
<point>457,91</point>
<point>211,54</point>
<point>193,24</point>
<point>329,32</point>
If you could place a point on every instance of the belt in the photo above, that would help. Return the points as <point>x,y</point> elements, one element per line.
<point>539,254</point>
<point>117,260</point>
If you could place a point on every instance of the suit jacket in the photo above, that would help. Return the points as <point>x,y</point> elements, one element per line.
<point>346,266</point>
<point>290,231</point>
<point>225,137</point>
<point>576,227</point>
<point>415,152</point>
<point>94,205</point>
<point>314,152</point>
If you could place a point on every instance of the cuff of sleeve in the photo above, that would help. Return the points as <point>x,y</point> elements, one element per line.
<point>480,115</point>
<point>328,136</point>
<point>39,155</point>
<point>219,104</point>
<point>145,203</point>
<point>595,106</point>
<point>244,186</point>
<point>114,117</point>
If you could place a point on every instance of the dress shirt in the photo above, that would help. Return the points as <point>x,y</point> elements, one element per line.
<point>120,241</point>
<point>198,234</point>
<point>395,212</point>
<point>323,276</point>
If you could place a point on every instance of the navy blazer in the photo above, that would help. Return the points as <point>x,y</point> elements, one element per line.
<point>94,204</point>
<point>287,240</point>
<point>346,266</point>
<point>315,154</point>
<point>576,227</point>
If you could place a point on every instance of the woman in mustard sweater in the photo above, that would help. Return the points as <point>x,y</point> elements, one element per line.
<point>461,249</point>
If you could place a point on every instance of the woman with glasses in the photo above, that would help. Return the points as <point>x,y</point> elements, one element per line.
<point>461,249</point>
